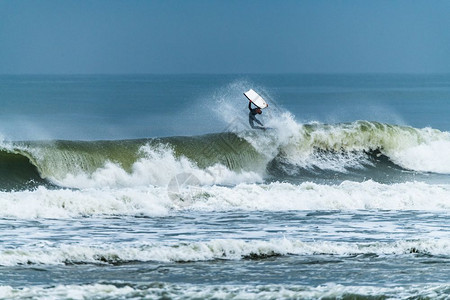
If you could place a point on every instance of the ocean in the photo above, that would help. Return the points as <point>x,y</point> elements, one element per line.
<point>156,187</point>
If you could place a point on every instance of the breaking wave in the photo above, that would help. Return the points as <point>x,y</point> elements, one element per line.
<point>160,201</point>
<point>159,290</point>
<point>220,249</point>
<point>287,152</point>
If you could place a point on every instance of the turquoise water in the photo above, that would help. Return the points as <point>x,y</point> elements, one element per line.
<point>154,186</point>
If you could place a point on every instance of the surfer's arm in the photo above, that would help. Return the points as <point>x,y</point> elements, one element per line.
<point>250,105</point>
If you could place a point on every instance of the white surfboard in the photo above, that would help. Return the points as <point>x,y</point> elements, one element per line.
<point>256,99</point>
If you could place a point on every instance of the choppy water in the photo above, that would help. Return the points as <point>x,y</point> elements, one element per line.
<point>155,187</point>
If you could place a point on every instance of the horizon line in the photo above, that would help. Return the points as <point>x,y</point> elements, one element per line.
<point>224,73</point>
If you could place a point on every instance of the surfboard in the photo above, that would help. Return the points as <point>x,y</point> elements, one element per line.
<point>256,99</point>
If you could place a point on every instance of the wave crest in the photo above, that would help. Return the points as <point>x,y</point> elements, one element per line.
<point>309,152</point>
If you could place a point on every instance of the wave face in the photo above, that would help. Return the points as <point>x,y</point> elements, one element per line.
<point>287,152</point>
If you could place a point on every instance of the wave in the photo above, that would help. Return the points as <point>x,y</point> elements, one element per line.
<point>290,151</point>
<point>126,163</point>
<point>162,201</point>
<point>219,249</point>
<point>158,290</point>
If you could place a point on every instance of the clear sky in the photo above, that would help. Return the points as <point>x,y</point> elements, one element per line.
<point>130,36</point>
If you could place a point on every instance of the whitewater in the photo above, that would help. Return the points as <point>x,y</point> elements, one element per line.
<point>324,204</point>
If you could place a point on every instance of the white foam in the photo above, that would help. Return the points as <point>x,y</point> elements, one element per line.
<point>157,167</point>
<point>425,150</point>
<point>230,249</point>
<point>311,196</point>
<point>67,292</point>
<point>66,203</point>
<point>159,290</point>
<point>160,201</point>
<point>430,156</point>
<point>298,144</point>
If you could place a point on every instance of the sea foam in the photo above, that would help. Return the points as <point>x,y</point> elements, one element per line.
<point>218,249</point>
<point>190,291</point>
<point>161,201</point>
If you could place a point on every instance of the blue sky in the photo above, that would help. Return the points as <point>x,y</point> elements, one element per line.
<point>83,37</point>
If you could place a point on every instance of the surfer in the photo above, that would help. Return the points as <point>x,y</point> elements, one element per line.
<point>252,116</point>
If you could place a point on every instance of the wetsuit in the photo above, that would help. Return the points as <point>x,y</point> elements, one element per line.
<point>252,118</point>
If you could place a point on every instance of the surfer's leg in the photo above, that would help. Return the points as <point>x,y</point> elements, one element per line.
<point>250,121</point>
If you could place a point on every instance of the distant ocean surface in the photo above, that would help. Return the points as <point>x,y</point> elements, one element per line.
<point>156,187</point>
